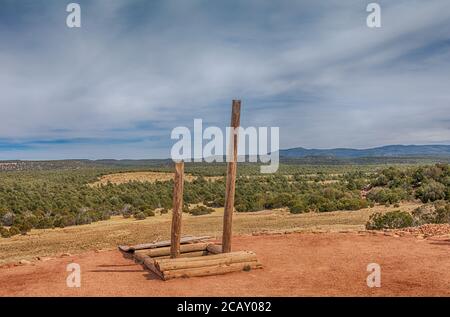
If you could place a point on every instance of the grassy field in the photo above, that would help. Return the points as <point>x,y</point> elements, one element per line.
<point>151,177</point>
<point>121,178</point>
<point>118,230</point>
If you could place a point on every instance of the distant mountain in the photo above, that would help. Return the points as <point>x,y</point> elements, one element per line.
<point>383,151</point>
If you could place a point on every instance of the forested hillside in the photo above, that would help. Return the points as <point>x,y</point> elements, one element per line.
<point>62,197</point>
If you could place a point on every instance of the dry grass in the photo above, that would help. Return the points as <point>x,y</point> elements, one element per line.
<point>121,178</point>
<point>151,177</point>
<point>109,234</point>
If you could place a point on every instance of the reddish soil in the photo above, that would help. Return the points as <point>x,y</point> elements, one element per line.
<point>304,264</point>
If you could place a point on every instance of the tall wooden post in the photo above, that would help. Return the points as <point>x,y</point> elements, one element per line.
<point>231,177</point>
<point>177,210</point>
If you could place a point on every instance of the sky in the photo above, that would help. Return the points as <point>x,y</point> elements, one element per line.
<point>135,70</point>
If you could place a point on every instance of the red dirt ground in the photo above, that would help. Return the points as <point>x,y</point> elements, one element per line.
<point>304,264</point>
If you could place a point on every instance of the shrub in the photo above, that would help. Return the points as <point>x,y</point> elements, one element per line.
<point>216,203</point>
<point>278,201</point>
<point>249,206</point>
<point>58,222</point>
<point>351,204</point>
<point>298,207</point>
<point>390,220</point>
<point>328,205</point>
<point>164,211</point>
<point>8,219</point>
<point>13,231</point>
<point>139,216</point>
<point>437,213</point>
<point>105,215</point>
<point>149,213</point>
<point>201,210</point>
<point>44,222</point>
<point>127,211</point>
<point>443,214</point>
<point>68,220</point>
<point>424,214</point>
<point>24,227</point>
<point>431,191</point>
<point>4,233</point>
<point>31,219</point>
<point>386,196</point>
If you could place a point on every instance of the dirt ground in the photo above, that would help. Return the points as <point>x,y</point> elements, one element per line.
<point>298,264</point>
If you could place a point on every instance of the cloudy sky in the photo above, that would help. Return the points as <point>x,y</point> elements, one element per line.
<point>117,86</point>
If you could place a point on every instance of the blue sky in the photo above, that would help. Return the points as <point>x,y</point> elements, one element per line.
<point>135,70</point>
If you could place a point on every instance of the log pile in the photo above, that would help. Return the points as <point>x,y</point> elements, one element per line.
<point>196,259</point>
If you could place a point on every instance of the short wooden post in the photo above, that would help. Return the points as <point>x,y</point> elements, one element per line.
<point>177,210</point>
<point>231,177</point>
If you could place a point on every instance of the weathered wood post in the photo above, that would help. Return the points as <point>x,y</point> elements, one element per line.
<point>231,177</point>
<point>177,210</point>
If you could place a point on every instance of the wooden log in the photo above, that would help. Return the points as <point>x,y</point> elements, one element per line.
<point>207,261</point>
<point>231,177</point>
<point>177,210</point>
<point>124,248</point>
<point>183,255</point>
<point>141,254</point>
<point>150,264</point>
<point>211,270</point>
<point>212,256</point>
<point>214,248</point>
<point>183,248</point>
<point>166,243</point>
<point>139,257</point>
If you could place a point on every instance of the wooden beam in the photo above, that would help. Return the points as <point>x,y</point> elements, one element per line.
<point>183,249</point>
<point>202,261</point>
<point>149,263</point>
<point>231,177</point>
<point>159,244</point>
<point>214,248</point>
<point>211,270</point>
<point>210,256</point>
<point>177,210</point>
<point>182,255</point>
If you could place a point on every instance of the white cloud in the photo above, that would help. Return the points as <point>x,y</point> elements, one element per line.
<point>314,69</point>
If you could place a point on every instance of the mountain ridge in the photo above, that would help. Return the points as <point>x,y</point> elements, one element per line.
<point>381,151</point>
